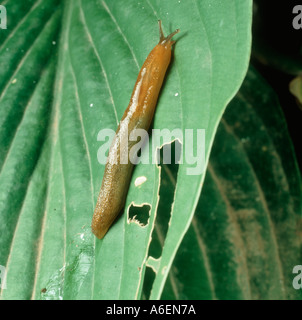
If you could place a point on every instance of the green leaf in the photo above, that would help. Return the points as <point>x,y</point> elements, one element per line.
<point>245,237</point>
<point>56,96</point>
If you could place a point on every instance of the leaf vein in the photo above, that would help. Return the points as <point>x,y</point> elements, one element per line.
<point>99,60</point>
<point>19,24</point>
<point>121,32</point>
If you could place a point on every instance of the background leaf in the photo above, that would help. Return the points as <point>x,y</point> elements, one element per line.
<point>247,225</point>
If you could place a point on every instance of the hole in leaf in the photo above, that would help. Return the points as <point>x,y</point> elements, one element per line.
<point>148,282</point>
<point>168,180</point>
<point>141,214</point>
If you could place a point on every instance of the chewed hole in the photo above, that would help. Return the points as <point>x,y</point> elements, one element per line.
<point>169,154</point>
<point>139,214</point>
<point>148,282</point>
<point>168,181</point>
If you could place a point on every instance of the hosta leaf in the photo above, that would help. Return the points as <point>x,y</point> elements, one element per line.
<point>56,96</point>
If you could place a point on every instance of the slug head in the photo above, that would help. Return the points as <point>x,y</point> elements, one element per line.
<point>166,41</point>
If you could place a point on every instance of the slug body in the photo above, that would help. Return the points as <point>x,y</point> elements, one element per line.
<point>138,115</point>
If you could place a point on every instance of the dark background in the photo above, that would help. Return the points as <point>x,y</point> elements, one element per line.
<point>277,55</point>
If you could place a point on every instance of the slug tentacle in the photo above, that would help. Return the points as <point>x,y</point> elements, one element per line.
<point>161,34</point>
<point>163,39</point>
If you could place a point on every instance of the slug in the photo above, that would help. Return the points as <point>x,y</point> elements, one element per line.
<point>138,115</point>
